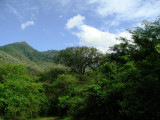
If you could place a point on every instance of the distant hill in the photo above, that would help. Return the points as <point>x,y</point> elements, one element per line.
<point>22,53</point>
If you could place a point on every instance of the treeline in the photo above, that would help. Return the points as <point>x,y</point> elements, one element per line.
<point>123,85</point>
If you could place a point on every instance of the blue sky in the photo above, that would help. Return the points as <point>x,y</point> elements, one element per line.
<point>57,24</point>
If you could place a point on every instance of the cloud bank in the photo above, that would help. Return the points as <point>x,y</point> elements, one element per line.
<point>91,36</point>
<point>27,24</point>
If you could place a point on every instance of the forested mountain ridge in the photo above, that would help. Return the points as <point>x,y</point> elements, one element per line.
<point>22,53</point>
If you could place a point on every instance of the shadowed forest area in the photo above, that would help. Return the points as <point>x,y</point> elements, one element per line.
<point>82,83</point>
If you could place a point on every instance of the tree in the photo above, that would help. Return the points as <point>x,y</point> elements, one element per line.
<point>140,72</point>
<point>20,96</point>
<point>158,48</point>
<point>79,58</point>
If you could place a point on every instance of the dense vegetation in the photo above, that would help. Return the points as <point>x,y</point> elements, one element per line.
<point>22,53</point>
<point>123,85</point>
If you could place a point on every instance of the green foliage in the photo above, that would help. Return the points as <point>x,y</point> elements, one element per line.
<point>11,71</point>
<point>79,58</point>
<point>51,75</point>
<point>22,53</point>
<point>49,78</point>
<point>5,58</point>
<point>158,48</point>
<point>63,89</point>
<point>124,86</point>
<point>140,73</point>
<point>20,96</point>
<point>64,84</point>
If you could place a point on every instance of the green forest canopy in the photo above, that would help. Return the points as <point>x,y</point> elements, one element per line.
<point>124,86</point>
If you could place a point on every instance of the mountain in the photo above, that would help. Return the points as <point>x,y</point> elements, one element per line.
<point>22,53</point>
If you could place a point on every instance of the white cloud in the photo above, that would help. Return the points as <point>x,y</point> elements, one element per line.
<point>75,21</point>
<point>126,9</point>
<point>90,36</point>
<point>27,24</point>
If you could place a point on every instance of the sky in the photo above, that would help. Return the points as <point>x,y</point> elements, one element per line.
<point>58,24</point>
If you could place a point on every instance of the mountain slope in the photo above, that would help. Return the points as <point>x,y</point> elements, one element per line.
<point>5,58</point>
<point>22,53</point>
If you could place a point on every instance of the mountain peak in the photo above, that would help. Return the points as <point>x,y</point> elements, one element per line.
<point>23,53</point>
<point>23,42</point>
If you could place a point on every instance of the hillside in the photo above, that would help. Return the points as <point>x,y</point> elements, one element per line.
<point>22,53</point>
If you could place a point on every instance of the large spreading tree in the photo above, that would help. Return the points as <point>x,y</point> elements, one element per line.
<point>79,58</point>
